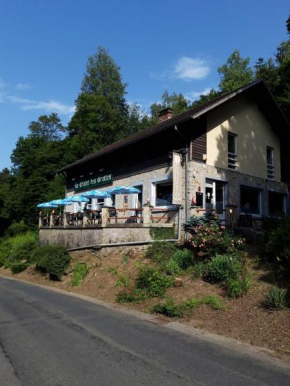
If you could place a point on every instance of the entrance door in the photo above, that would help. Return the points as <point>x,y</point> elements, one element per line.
<point>215,197</point>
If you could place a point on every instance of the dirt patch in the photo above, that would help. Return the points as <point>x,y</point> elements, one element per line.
<point>244,319</point>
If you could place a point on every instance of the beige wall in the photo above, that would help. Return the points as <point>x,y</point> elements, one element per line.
<point>254,132</point>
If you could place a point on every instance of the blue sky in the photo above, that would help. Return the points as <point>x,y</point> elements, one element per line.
<point>175,45</point>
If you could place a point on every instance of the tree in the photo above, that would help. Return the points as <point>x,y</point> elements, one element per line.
<point>101,110</point>
<point>177,102</point>
<point>235,73</point>
<point>35,160</point>
<point>48,127</point>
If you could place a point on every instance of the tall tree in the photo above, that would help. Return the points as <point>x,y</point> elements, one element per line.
<point>101,109</point>
<point>177,102</point>
<point>235,73</point>
<point>48,127</point>
<point>35,160</point>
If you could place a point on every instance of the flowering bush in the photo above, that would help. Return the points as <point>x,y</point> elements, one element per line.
<point>214,239</point>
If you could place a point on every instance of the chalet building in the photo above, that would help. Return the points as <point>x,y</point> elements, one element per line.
<point>224,153</point>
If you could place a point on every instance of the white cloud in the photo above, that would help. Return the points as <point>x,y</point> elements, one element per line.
<point>50,106</point>
<point>186,69</point>
<point>22,86</point>
<point>191,68</point>
<point>196,94</point>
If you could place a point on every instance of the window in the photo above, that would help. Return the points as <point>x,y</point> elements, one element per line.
<point>276,203</point>
<point>270,163</point>
<point>232,151</point>
<point>215,192</point>
<point>251,200</point>
<point>164,193</point>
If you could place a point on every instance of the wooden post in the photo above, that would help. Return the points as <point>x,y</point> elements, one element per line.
<point>105,216</point>
<point>51,223</point>
<point>39,221</point>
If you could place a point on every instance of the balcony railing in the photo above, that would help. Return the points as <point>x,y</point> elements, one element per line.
<point>111,216</point>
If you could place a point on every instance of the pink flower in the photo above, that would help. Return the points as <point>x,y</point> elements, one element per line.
<point>223,227</point>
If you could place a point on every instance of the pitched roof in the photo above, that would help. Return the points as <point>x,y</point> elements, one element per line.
<point>159,127</point>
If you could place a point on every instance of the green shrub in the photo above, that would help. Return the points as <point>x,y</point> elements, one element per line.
<point>79,273</point>
<point>237,288</point>
<point>136,295</point>
<point>222,267</point>
<point>22,247</point>
<point>212,301</point>
<point>171,267</point>
<point>52,259</point>
<point>18,267</point>
<point>169,308</point>
<point>16,229</point>
<point>153,281</point>
<point>199,270</point>
<point>278,239</point>
<point>162,233</point>
<point>184,258</point>
<point>283,264</point>
<point>276,298</point>
<point>191,224</point>
<point>122,281</point>
<point>18,249</point>
<point>160,251</point>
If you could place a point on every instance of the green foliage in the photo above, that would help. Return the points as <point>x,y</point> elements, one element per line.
<point>153,281</point>
<point>18,267</point>
<point>171,267</point>
<point>162,233</point>
<point>212,239</point>
<point>52,259</point>
<point>212,301</point>
<point>192,223</point>
<point>278,239</point>
<point>177,102</point>
<point>79,273</point>
<point>133,296</point>
<point>239,287</point>
<point>221,268</point>
<point>235,73</point>
<point>18,251</point>
<point>276,298</point>
<point>277,247</point>
<point>123,280</point>
<point>184,258</point>
<point>16,229</point>
<point>113,270</point>
<point>170,309</point>
<point>160,251</point>
<point>199,270</point>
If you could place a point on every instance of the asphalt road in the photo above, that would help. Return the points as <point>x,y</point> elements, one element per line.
<point>52,339</point>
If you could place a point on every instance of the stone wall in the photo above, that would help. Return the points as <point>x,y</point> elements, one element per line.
<point>82,237</point>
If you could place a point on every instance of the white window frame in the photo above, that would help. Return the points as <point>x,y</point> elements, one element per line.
<point>153,191</point>
<point>233,157</point>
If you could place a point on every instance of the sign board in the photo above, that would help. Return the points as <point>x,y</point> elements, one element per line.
<point>93,182</point>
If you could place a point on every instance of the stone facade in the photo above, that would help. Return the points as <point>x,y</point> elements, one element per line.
<point>87,237</point>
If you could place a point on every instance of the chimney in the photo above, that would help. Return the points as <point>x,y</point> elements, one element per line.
<point>165,114</point>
